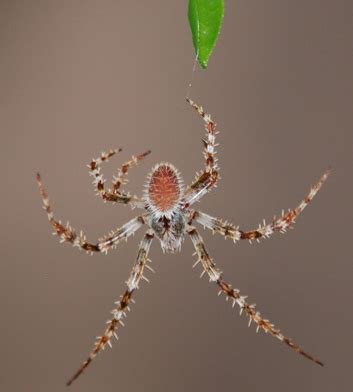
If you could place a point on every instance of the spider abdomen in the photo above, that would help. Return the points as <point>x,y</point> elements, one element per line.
<point>163,197</point>
<point>164,190</point>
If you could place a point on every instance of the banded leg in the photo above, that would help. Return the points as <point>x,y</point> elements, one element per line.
<point>281,224</point>
<point>119,312</point>
<point>68,234</point>
<point>234,294</point>
<point>115,195</point>
<point>208,177</point>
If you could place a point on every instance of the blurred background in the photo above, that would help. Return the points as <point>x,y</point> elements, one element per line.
<point>78,77</point>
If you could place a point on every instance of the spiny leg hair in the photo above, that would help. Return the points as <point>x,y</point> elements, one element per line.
<point>115,195</point>
<point>281,224</point>
<point>215,276</point>
<point>208,177</point>
<point>119,312</point>
<point>68,234</point>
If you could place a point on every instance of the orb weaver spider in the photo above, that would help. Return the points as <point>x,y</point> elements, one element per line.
<point>167,211</point>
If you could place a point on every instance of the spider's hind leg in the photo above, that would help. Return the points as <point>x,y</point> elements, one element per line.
<point>208,177</point>
<point>121,179</point>
<point>115,195</point>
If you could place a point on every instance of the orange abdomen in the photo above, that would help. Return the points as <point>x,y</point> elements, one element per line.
<point>164,188</point>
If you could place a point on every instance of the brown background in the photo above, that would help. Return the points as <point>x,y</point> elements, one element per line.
<point>78,77</point>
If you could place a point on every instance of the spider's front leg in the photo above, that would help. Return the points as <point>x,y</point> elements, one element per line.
<point>68,234</point>
<point>115,195</point>
<point>225,288</point>
<point>208,177</point>
<point>120,311</point>
<point>280,224</point>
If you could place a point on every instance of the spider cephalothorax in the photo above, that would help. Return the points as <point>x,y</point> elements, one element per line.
<point>168,214</point>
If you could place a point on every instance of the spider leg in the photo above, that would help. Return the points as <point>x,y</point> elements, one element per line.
<point>234,294</point>
<point>281,224</point>
<point>119,312</point>
<point>115,195</point>
<point>209,176</point>
<point>68,234</point>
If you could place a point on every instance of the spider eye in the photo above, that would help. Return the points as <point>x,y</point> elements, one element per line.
<point>164,188</point>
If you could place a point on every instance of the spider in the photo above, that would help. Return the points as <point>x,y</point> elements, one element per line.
<point>168,214</point>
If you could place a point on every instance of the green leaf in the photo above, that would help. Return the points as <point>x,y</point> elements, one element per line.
<point>205,18</point>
